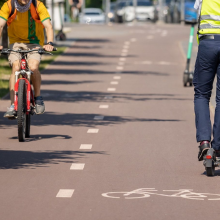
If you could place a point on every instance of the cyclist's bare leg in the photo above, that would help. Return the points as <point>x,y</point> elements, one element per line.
<point>15,67</point>
<point>36,76</point>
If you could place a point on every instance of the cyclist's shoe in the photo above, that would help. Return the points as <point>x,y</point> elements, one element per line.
<point>203,148</point>
<point>39,105</point>
<point>10,112</point>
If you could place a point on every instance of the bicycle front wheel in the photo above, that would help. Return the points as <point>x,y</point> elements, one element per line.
<point>21,110</point>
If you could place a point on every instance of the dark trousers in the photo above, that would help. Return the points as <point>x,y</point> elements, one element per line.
<point>207,66</point>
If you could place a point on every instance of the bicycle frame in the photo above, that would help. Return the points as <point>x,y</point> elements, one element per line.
<point>26,75</point>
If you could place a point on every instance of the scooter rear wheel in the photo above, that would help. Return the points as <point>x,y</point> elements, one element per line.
<point>210,171</point>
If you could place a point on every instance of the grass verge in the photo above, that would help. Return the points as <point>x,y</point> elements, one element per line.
<point>5,69</point>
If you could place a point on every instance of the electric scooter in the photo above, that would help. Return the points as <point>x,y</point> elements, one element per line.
<point>211,161</point>
<point>188,76</point>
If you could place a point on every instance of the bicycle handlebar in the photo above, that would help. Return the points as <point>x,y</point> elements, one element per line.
<point>40,51</point>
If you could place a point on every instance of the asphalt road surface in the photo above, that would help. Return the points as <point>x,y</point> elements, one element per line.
<point>117,140</point>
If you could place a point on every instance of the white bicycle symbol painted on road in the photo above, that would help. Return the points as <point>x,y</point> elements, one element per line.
<point>147,192</point>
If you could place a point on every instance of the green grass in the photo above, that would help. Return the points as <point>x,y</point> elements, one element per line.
<point>5,69</point>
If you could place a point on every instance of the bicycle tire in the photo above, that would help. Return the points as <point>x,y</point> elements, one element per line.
<point>28,125</point>
<point>21,110</point>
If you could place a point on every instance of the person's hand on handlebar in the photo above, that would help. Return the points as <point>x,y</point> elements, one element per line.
<point>48,47</point>
<point>1,47</point>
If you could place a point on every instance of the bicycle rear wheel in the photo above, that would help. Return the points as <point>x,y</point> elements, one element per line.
<point>21,111</point>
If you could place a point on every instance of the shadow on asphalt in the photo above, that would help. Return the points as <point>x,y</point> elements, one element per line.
<point>88,96</point>
<point>93,55</point>
<point>217,173</point>
<point>62,82</point>
<point>90,40</point>
<point>76,120</point>
<point>98,72</point>
<point>10,159</point>
<point>44,136</point>
<point>75,63</point>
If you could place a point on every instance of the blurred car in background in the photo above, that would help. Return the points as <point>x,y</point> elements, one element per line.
<point>91,16</point>
<point>190,12</point>
<point>145,10</point>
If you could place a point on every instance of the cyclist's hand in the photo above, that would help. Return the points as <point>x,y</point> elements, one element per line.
<point>48,47</point>
<point>1,47</point>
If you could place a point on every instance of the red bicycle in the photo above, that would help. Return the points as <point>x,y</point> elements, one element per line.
<point>23,93</point>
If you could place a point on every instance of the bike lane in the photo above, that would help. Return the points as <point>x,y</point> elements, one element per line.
<point>141,141</point>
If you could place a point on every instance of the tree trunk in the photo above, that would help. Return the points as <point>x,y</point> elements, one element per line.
<point>5,37</point>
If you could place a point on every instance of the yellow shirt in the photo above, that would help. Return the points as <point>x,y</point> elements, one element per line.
<point>23,28</point>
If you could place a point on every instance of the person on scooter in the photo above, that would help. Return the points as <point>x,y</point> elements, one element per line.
<point>206,67</point>
<point>26,20</point>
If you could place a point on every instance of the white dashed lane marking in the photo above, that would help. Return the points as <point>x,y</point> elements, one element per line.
<point>114,83</point>
<point>99,117</point>
<point>133,39</point>
<point>124,51</point>
<point>111,89</point>
<point>93,131</point>
<point>122,59</point>
<point>149,37</point>
<point>65,193</point>
<point>119,67</point>
<point>127,42</point>
<point>103,106</point>
<point>77,166</point>
<point>117,77</point>
<point>85,146</point>
<point>124,54</point>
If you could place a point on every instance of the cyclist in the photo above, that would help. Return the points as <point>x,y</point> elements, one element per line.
<point>207,65</point>
<point>26,20</point>
<point>75,6</point>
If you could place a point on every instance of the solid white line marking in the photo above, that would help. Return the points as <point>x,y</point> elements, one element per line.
<point>85,146</point>
<point>65,193</point>
<point>103,106</point>
<point>117,77</point>
<point>93,131</point>
<point>119,67</point>
<point>77,166</point>
<point>108,97</point>
<point>99,117</point>
<point>111,89</point>
<point>122,59</point>
<point>114,83</point>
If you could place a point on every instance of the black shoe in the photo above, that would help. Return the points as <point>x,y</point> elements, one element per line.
<point>203,148</point>
<point>217,153</point>
<point>39,105</point>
